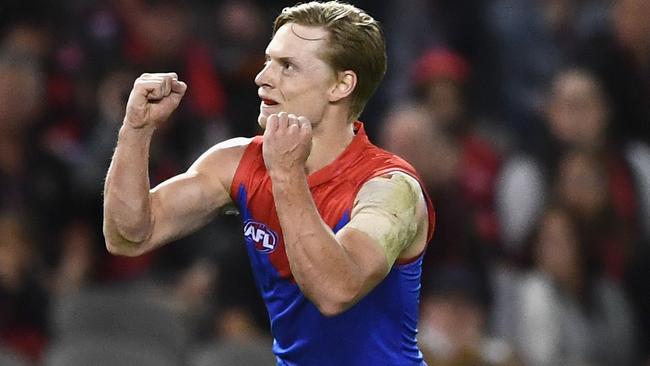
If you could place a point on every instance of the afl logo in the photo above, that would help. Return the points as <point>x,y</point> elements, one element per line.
<point>261,236</point>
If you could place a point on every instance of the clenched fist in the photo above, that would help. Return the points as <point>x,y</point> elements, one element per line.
<point>287,142</point>
<point>153,98</point>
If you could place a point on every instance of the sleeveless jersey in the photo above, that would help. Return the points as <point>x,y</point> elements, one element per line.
<point>381,328</point>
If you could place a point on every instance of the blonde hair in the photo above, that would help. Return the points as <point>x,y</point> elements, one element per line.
<point>356,42</point>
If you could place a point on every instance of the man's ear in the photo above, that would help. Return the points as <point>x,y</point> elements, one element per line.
<point>345,83</point>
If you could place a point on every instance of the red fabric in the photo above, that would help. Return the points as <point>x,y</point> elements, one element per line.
<point>613,246</point>
<point>118,268</point>
<point>60,90</point>
<point>621,186</point>
<point>479,171</point>
<point>206,94</point>
<point>26,342</point>
<point>333,187</point>
<point>441,63</point>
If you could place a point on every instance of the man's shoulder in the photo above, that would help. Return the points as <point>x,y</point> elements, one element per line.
<point>380,161</point>
<point>230,150</point>
<point>223,156</point>
<point>233,144</point>
<point>221,161</point>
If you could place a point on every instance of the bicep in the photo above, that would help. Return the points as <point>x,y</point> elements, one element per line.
<point>186,202</point>
<point>388,217</point>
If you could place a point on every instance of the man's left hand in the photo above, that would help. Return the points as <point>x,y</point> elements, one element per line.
<point>287,143</point>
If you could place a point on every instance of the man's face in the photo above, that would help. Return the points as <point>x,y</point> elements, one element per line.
<point>295,79</point>
<point>577,112</point>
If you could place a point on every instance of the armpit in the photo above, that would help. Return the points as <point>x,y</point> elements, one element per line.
<point>386,209</point>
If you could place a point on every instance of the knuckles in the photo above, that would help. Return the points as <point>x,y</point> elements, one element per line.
<point>285,121</point>
<point>158,85</point>
<point>159,78</point>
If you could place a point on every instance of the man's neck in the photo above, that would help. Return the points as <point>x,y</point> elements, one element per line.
<point>330,139</point>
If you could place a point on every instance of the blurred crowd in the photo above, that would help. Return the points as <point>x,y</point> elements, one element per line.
<point>529,121</point>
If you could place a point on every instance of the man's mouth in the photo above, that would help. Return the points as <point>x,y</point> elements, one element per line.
<point>269,101</point>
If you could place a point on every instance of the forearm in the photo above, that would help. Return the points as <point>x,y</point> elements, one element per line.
<point>127,208</point>
<point>321,266</point>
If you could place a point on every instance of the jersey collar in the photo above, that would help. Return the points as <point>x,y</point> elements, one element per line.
<point>344,160</point>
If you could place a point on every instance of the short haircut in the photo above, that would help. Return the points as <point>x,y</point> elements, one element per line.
<point>355,42</point>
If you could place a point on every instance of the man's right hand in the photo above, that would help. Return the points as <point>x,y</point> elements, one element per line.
<point>153,98</point>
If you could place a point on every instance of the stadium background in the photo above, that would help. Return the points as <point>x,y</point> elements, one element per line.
<point>528,119</point>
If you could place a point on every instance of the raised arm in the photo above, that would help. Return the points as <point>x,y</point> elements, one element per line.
<point>138,219</point>
<point>388,221</point>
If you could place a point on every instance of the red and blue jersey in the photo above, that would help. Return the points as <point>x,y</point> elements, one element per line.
<point>381,328</point>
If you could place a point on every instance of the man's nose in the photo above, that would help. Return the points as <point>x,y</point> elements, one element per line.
<point>264,77</point>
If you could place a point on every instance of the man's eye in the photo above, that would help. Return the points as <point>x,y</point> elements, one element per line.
<point>288,66</point>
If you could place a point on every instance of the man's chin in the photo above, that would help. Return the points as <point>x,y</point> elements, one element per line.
<point>263,116</point>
